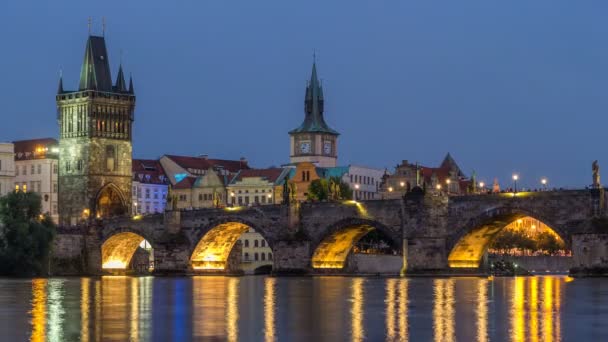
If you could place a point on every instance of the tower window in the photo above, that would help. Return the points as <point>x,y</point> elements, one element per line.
<point>110,158</point>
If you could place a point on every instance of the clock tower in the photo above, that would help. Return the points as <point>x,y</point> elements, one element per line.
<point>314,141</point>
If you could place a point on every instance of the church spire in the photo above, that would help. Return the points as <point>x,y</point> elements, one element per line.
<point>131,89</point>
<point>60,87</point>
<point>95,72</point>
<point>314,107</point>
<point>121,85</point>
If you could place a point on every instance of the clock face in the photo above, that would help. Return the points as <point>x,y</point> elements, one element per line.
<point>327,147</point>
<point>305,147</point>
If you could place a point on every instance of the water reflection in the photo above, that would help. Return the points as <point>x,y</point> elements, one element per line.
<point>264,308</point>
<point>269,309</point>
<point>482,310</point>
<point>38,312</point>
<point>443,312</point>
<point>357,330</point>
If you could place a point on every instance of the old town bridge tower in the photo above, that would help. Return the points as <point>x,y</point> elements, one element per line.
<point>95,125</point>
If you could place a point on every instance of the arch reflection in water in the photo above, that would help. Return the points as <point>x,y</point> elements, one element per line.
<point>547,291</point>
<point>357,297</point>
<point>443,311</point>
<point>396,310</point>
<point>215,306</point>
<point>269,309</point>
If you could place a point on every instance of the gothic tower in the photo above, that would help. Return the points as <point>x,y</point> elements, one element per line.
<point>314,141</point>
<point>95,149</point>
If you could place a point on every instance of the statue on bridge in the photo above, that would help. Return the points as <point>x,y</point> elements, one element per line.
<point>595,167</point>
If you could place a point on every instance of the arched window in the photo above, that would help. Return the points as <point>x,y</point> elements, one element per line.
<point>110,158</point>
<point>255,243</point>
<point>246,243</point>
<point>263,243</point>
<point>263,257</point>
<point>246,256</point>
<point>256,257</point>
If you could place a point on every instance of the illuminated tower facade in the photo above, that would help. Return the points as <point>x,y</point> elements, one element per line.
<point>314,141</point>
<point>95,134</point>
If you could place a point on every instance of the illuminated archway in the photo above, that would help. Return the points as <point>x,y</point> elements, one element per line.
<point>470,246</point>
<point>110,202</point>
<point>334,249</point>
<point>213,249</point>
<point>118,250</point>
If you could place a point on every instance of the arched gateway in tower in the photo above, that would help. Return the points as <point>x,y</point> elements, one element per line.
<point>95,140</point>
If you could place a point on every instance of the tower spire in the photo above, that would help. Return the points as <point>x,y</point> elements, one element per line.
<point>121,85</point>
<point>131,89</point>
<point>60,87</point>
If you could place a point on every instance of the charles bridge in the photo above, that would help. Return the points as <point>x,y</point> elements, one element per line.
<point>435,232</point>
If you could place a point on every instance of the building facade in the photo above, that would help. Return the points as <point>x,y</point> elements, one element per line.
<point>364,181</point>
<point>7,168</point>
<point>448,177</point>
<point>95,151</point>
<point>36,170</point>
<point>150,187</point>
<point>257,187</point>
<point>314,141</point>
<point>256,251</point>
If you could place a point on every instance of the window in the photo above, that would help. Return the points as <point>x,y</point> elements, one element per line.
<point>17,187</point>
<point>0,164</point>
<point>55,187</point>
<point>246,256</point>
<point>246,243</point>
<point>263,257</point>
<point>269,256</point>
<point>200,197</point>
<point>54,209</point>
<point>110,158</point>
<point>33,169</point>
<point>39,169</point>
<point>263,199</point>
<point>79,165</point>
<point>256,199</point>
<point>138,192</point>
<point>256,256</point>
<point>55,168</point>
<point>263,243</point>
<point>68,167</point>
<point>147,193</point>
<point>255,243</point>
<point>240,200</point>
<point>246,200</point>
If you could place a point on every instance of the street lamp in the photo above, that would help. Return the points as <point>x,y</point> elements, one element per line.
<point>515,178</point>
<point>390,189</point>
<point>481,185</point>
<point>269,198</point>
<point>438,186</point>
<point>402,183</point>
<point>544,183</point>
<point>356,191</point>
<point>447,188</point>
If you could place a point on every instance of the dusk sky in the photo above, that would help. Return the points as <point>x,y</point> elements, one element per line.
<point>504,86</point>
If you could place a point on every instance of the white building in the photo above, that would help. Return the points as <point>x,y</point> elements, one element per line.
<point>150,186</point>
<point>364,181</point>
<point>7,168</point>
<point>36,166</point>
<point>256,251</point>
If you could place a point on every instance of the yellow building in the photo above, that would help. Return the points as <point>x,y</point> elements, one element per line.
<point>257,187</point>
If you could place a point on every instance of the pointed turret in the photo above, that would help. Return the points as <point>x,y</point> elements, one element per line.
<point>95,72</point>
<point>121,85</point>
<point>131,89</point>
<point>314,107</point>
<point>60,87</point>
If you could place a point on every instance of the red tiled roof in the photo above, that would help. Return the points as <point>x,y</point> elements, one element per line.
<point>35,148</point>
<point>148,171</point>
<point>203,163</point>
<point>185,183</point>
<point>271,175</point>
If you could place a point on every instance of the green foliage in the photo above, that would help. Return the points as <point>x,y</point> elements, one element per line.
<point>333,188</point>
<point>25,235</point>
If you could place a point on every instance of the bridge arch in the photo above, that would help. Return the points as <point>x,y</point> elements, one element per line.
<point>336,244</point>
<point>468,244</point>
<point>119,247</point>
<point>214,242</point>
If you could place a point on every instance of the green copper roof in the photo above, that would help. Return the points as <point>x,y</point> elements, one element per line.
<point>95,72</point>
<point>313,107</point>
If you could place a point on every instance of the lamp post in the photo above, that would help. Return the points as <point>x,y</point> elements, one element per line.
<point>447,187</point>
<point>515,178</point>
<point>481,185</point>
<point>438,187</point>
<point>270,199</point>
<point>356,192</point>
<point>543,181</point>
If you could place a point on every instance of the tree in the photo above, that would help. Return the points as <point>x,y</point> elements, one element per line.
<point>25,235</point>
<point>323,189</point>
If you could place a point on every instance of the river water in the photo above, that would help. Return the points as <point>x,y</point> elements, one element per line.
<point>257,308</point>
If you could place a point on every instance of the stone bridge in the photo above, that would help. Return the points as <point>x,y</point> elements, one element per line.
<point>434,232</point>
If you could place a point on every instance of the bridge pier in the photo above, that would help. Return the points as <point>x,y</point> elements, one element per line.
<point>291,257</point>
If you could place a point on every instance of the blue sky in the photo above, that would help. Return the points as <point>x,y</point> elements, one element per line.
<point>505,86</point>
